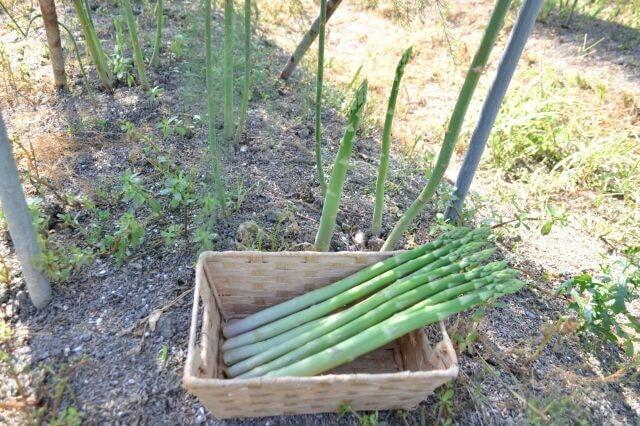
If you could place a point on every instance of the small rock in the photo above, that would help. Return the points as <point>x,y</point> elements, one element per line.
<point>303,133</point>
<point>375,243</point>
<point>85,337</point>
<point>22,298</point>
<point>359,239</point>
<point>201,417</point>
<point>166,327</point>
<point>271,215</point>
<point>42,356</point>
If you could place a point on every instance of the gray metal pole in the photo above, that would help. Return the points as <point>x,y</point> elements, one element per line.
<point>519,35</point>
<point>19,222</point>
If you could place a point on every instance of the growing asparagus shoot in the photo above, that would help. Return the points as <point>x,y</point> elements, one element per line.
<point>211,109</point>
<point>155,57</point>
<point>228,70</point>
<point>96,52</point>
<point>336,182</point>
<point>386,143</point>
<point>455,123</point>
<point>318,111</point>
<point>246,89</point>
<point>135,43</point>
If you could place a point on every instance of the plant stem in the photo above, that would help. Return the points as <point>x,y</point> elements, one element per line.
<point>211,109</point>
<point>386,143</point>
<point>155,57</point>
<point>318,110</point>
<point>93,44</point>
<point>305,300</point>
<point>455,123</point>
<point>228,70</point>
<point>247,71</point>
<point>15,23</point>
<point>135,43</point>
<point>389,330</point>
<point>336,182</point>
<point>307,41</point>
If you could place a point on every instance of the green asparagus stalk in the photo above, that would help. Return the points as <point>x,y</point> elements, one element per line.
<point>386,143</point>
<point>455,124</point>
<point>211,109</point>
<point>247,71</point>
<point>135,43</point>
<point>336,182</point>
<point>318,110</point>
<point>233,352</point>
<point>155,57</point>
<point>427,261</point>
<point>333,329</point>
<point>228,70</point>
<point>390,329</point>
<point>93,44</point>
<point>296,304</point>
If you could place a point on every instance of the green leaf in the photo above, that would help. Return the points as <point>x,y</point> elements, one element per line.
<point>621,295</point>
<point>546,228</point>
<point>628,347</point>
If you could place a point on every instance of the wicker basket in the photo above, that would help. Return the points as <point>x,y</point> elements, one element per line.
<point>234,284</point>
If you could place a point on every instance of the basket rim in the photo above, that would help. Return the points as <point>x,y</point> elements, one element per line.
<point>192,382</point>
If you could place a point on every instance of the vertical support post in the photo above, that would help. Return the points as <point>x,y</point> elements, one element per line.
<point>508,63</point>
<point>19,222</point>
<point>50,18</point>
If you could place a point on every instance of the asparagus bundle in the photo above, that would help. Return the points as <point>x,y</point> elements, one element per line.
<point>431,261</point>
<point>293,305</point>
<point>390,329</point>
<point>416,287</point>
<point>439,290</point>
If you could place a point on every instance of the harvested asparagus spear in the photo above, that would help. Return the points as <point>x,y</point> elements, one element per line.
<point>296,304</point>
<point>390,329</point>
<point>435,291</point>
<point>443,255</point>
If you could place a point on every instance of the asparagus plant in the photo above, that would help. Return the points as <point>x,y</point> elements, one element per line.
<point>93,44</point>
<point>155,57</point>
<point>386,143</point>
<point>390,329</point>
<point>303,301</point>
<point>135,43</point>
<point>228,70</point>
<point>318,111</point>
<point>455,123</point>
<point>402,294</point>
<point>336,182</point>
<point>307,40</point>
<point>211,109</point>
<point>436,259</point>
<point>247,71</point>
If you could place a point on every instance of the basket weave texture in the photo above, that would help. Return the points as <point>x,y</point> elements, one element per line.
<point>235,284</point>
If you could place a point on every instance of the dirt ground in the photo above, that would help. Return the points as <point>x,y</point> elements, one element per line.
<point>95,338</point>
